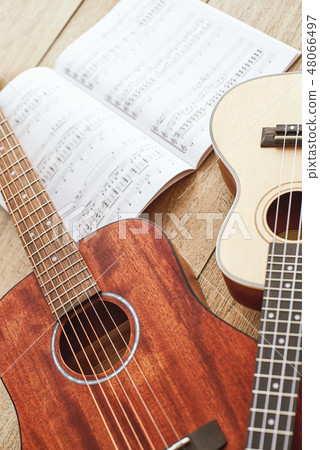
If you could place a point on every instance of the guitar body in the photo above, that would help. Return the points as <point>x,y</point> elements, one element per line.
<point>252,174</point>
<point>200,369</point>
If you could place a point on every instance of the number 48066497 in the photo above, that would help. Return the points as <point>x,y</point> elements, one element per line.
<point>311,44</point>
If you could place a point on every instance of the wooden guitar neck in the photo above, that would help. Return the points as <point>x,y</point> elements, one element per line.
<point>63,275</point>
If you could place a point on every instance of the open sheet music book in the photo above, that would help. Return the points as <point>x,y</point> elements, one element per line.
<point>125,112</point>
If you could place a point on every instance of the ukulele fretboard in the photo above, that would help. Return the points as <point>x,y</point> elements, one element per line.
<point>278,364</point>
<point>61,272</point>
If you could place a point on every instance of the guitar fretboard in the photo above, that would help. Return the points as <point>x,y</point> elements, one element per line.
<point>278,363</point>
<point>63,276</point>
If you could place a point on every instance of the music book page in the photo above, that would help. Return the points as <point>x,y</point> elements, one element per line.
<point>95,166</point>
<point>163,65</point>
<point>126,111</point>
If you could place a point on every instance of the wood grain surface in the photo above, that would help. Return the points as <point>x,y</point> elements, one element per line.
<point>181,352</point>
<point>270,100</point>
<point>34,33</point>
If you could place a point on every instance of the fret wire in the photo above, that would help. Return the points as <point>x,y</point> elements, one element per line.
<point>4,121</point>
<point>15,163</point>
<point>61,284</point>
<point>28,200</point>
<point>282,298</point>
<point>63,271</point>
<point>49,243</point>
<point>283,333</point>
<point>82,348</point>
<point>267,430</point>
<point>25,187</point>
<point>278,377</point>
<point>7,201</point>
<point>267,319</point>
<point>273,411</point>
<point>278,393</point>
<point>280,301</point>
<point>275,284</point>
<point>275,361</point>
<point>281,289</point>
<point>40,221</point>
<point>280,310</point>
<point>13,148</point>
<point>5,196</point>
<point>280,307</point>
<point>285,257</point>
<point>263,343</point>
<point>34,225</point>
<point>44,232</point>
<point>75,297</point>
<point>286,272</point>
<point>32,212</point>
<point>54,253</point>
<point>6,138</point>
<point>59,261</point>
<point>68,290</point>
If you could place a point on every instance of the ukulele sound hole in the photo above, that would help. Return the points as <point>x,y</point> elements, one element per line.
<point>289,211</point>
<point>99,333</point>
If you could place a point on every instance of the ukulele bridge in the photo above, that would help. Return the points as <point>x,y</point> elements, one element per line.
<point>288,134</point>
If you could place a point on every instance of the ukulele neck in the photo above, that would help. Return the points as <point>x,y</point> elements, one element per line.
<point>64,278</point>
<point>278,365</point>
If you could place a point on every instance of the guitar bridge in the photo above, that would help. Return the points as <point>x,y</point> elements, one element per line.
<point>288,134</point>
<point>208,437</point>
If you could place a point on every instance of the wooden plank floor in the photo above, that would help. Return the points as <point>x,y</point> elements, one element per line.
<point>34,33</point>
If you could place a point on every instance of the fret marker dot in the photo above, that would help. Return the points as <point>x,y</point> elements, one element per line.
<point>1,148</point>
<point>275,385</point>
<point>54,258</point>
<point>297,317</point>
<point>289,267</point>
<point>271,422</point>
<point>13,172</point>
<point>31,234</point>
<point>281,341</point>
<point>292,127</point>
<point>270,315</point>
<point>49,222</point>
<point>287,285</point>
<point>24,196</point>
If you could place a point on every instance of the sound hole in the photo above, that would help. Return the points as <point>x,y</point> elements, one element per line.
<point>97,343</point>
<point>283,212</point>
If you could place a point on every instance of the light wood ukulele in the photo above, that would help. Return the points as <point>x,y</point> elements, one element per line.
<point>256,132</point>
<point>106,345</point>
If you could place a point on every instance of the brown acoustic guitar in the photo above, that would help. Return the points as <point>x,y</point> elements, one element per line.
<point>256,133</point>
<point>106,344</point>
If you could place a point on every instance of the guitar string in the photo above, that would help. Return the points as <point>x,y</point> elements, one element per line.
<point>294,383</point>
<point>140,372</point>
<point>106,374</point>
<point>134,359</point>
<point>273,443</point>
<point>64,306</point>
<point>277,313</point>
<point>74,354</point>
<point>262,331</point>
<point>130,377</point>
<point>290,314</point>
<point>298,353</point>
